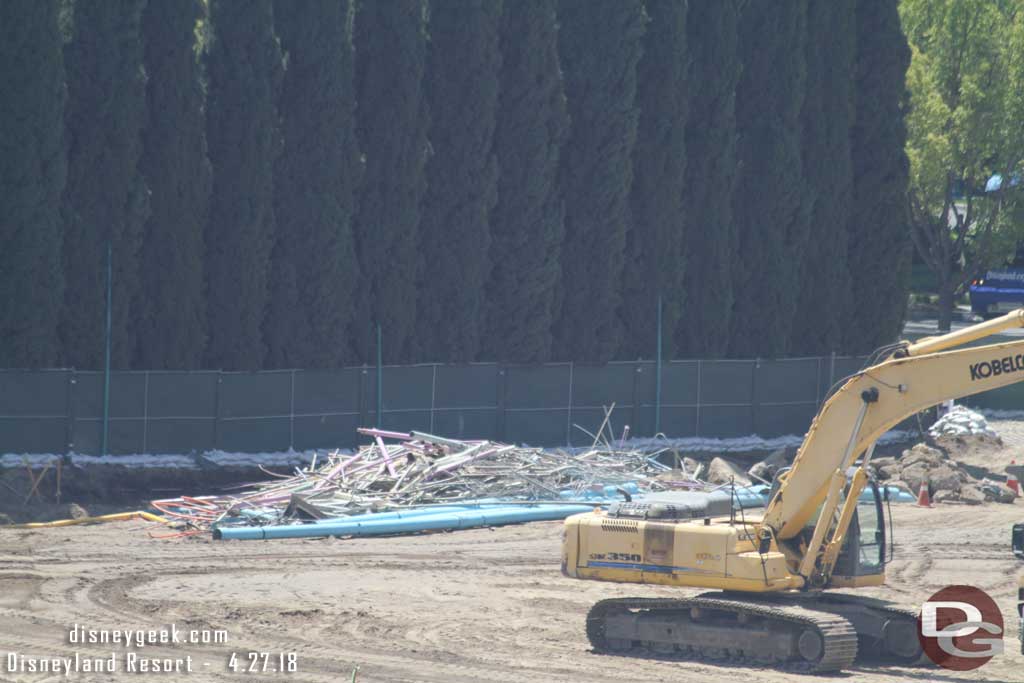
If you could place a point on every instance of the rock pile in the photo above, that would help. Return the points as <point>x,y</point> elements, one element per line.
<point>947,480</point>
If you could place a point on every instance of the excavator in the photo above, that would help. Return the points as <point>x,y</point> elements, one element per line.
<point>824,527</point>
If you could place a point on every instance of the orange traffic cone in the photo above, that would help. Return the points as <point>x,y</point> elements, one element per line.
<point>923,499</point>
<point>1011,480</point>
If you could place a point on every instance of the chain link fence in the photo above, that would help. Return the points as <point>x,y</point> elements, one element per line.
<point>59,411</point>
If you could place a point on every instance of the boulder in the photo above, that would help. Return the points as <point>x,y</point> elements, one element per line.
<point>887,472</point>
<point>922,453</point>
<point>971,495</point>
<point>767,468</point>
<point>76,511</point>
<point>944,478</point>
<point>690,465</point>
<point>914,475</point>
<point>947,497</point>
<point>721,471</point>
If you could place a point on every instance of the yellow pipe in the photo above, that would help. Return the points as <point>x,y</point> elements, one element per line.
<point>116,517</point>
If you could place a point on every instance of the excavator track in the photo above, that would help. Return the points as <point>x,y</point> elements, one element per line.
<point>897,643</point>
<point>723,629</point>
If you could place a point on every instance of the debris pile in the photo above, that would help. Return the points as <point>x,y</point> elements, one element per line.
<point>962,421</point>
<point>947,479</point>
<point>427,470</point>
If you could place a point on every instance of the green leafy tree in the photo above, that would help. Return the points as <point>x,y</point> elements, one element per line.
<point>966,123</point>
<point>710,143</point>
<point>879,248</point>
<point>655,254</point>
<point>172,331</point>
<point>391,123</point>
<point>463,60</point>
<point>314,271</point>
<point>823,294</point>
<point>770,199</point>
<point>527,225</point>
<point>244,70</point>
<point>600,45</point>
<point>33,172</point>
<point>106,197</point>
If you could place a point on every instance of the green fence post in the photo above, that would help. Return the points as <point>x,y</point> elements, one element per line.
<point>106,363</point>
<point>657,378</point>
<point>380,381</point>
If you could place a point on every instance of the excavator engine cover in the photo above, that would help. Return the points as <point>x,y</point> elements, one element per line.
<point>675,506</point>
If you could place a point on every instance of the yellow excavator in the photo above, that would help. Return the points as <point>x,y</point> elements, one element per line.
<point>823,527</point>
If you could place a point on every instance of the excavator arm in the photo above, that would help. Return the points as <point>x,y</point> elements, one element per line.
<point>915,376</point>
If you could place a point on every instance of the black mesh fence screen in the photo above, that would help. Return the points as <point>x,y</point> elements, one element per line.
<point>57,411</point>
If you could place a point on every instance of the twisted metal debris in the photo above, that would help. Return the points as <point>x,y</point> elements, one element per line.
<point>419,469</point>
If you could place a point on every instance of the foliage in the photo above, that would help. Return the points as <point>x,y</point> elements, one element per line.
<point>655,250</point>
<point>33,172</point>
<point>879,246</point>
<point>463,62</point>
<point>599,45</point>
<point>770,203</point>
<point>244,67</point>
<point>823,295</point>
<point>106,198</point>
<point>710,239</point>
<point>172,329</point>
<point>965,124</point>
<point>527,222</point>
<point>314,271</point>
<point>392,121</point>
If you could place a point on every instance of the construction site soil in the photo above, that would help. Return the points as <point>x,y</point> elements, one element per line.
<point>478,606</point>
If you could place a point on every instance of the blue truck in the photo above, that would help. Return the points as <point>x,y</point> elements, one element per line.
<point>1001,290</point>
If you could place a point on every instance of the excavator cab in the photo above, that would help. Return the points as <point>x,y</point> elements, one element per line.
<point>862,560</point>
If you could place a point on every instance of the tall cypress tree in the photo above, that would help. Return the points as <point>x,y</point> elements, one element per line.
<point>599,45</point>
<point>244,72</point>
<point>462,92</point>
<point>391,122</point>
<point>770,198</point>
<point>172,335</point>
<point>655,257</point>
<point>314,271</point>
<point>106,196</point>
<point>824,290</point>
<point>33,172</point>
<point>527,223</point>
<point>879,247</point>
<point>710,239</point>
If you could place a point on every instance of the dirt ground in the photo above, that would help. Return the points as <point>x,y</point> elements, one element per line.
<point>480,606</point>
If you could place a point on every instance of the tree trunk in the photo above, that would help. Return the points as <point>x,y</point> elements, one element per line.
<point>947,299</point>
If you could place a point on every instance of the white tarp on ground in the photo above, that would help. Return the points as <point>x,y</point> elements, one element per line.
<point>741,444</point>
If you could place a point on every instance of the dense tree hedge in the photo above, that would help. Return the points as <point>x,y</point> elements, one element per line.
<point>461,86</point>
<point>106,198</point>
<point>710,144</point>
<point>527,224</point>
<point>770,199</point>
<point>600,45</point>
<point>33,172</point>
<point>244,68</point>
<point>392,122</point>
<point>486,180</point>
<point>314,273</point>
<point>172,331</point>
